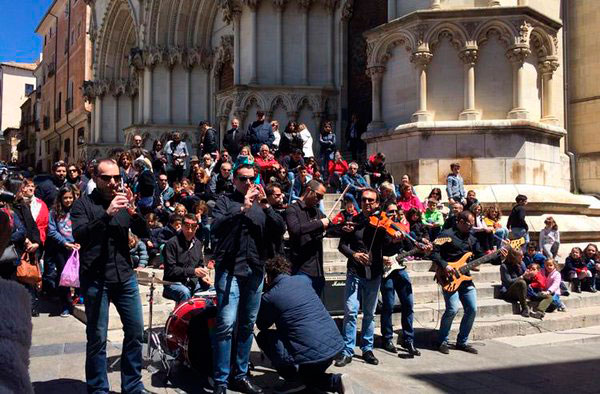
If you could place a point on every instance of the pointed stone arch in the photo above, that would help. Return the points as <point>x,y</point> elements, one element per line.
<point>457,35</point>
<point>505,33</point>
<point>380,52</point>
<point>542,43</point>
<point>283,101</point>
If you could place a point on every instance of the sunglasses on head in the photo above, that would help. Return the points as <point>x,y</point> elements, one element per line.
<point>107,178</point>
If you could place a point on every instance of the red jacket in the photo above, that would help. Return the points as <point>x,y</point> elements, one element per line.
<point>265,165</point>
<point>42,221</point>
<point>340,168</point>
<point>539,281</point>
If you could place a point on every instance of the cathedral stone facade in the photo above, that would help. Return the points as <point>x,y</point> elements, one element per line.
<point>478,81</point>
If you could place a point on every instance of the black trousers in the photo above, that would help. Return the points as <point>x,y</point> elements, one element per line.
<point>313,375</point>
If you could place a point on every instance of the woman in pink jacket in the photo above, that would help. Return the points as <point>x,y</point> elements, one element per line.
<point>553,279</point>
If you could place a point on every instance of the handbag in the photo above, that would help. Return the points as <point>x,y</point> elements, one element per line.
<point>28,272</point>
<point>70,273</point>
<point>9,256</point>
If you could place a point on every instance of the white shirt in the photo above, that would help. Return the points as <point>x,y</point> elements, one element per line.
<point>307,147</point>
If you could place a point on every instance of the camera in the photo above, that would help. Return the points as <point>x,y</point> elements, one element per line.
<point>6,196</point>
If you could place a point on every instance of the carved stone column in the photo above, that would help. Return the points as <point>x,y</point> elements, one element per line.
<point>97,120</point>
<point>547,68</point>
<point>392,13</point>
<point>331,43</point>
<point>304,8</point>
<point>236,48</point>
<point>252,4</point>
<point>469,58</point>
<point>421,59</point>
<point>279,8</point>
<point>517,56</point>
<point>223,119</point>
<point>376,75</point>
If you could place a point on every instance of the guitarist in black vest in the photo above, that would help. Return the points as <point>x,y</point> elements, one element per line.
<point>398,281</point>
<point>450,246</point>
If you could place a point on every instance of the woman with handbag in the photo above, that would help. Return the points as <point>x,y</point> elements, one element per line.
<point>61,242</point>
<point>30,250</point>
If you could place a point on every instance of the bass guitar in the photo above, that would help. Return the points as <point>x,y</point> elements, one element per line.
<point>450,281</point>
<point>398,262</point>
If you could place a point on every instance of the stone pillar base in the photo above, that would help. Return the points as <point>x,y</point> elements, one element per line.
<point>470,114</point>
<point>550,120</point>
<point>518,113</point>
<point>422,116</point>
<point>490,152</point>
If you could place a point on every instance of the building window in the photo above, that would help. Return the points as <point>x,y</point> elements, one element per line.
<point>28,89</point>
<point>81,136</point>
<point>57,108</point>
<point>67,147</point>
<point>78,29</point>
<point>69,102</point>
<point>45,39</point>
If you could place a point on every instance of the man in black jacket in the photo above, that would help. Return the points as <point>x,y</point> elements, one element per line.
<point>306,225</point>
<point>260,133</point>
<point>184,263</point>
<point>48,189</point>
<point>234,139</point>
<point>363,245</point>
<point>222,182</point>
<point>101,224</point>
<point>306,338</point>
<point>240,226</point>
<point>208,139</point>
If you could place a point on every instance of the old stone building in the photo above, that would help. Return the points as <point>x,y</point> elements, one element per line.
<point>66,64</point>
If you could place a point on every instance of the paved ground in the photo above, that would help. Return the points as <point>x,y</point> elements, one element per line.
<point>547,363</point>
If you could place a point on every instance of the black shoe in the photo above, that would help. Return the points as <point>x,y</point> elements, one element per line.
<point>35,313</point>
<point>343,360</point>
<point>220,390</point>
<point>389,346</point>
<point>244,385</point>
<point>467,348</point>
<point>370,358</point>
<point>410,347</point>
<point>444,348</point>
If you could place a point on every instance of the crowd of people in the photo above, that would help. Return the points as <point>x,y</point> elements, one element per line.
<point>216,219</point>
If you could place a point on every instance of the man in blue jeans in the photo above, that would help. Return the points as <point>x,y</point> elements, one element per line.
<point>243,228</point>
<point>449,247</point>
<point>363,245</point>
<point>101,223</point>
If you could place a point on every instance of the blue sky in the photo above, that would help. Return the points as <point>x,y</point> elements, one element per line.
<point>18,20</point>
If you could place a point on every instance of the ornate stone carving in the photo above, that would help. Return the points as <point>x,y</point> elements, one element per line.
<point>524,30</point>
<point>206,58</point>
<point>101,88</point>
<point>252,4</point>
<point>193,57</point>
<point>89,91</point>
<point>305,4</point>
<point>153,56</point>
<point>470,27</point>
<point>174,56</point>
<point>419,33</point>
<point>119,87</point>
<point>548,65</point>
<point>421,58</point>
<point>347,10</point>
<point>469,56</point>
<point>375,72</point>
<point>133,87</point>
<point>330,5</point>
<point>224,52</point>
<point>280,4</point>
<point>230,8</point>
<point>136,58</point>
<point>518,54</point>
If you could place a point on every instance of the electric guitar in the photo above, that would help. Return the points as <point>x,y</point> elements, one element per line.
<point>398,262</point>
<point>450,281</point>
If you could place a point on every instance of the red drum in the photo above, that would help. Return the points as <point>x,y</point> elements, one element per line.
<point>188,332</point>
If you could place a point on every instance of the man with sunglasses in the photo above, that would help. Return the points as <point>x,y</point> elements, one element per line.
<point>306,224</point>
<point>363,245</point>
<point>101,224</point>
<point>48,189</point>
<point>244,225</point>
<point>450,246</point>
<point>184,263</point>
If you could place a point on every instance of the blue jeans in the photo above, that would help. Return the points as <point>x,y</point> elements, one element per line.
<point>125,296</point>
<point>317,282</point>
<point>399,282</point>
<point>467,295</point>
<point>179,292</point>
<point>368,290</point>
<point>501,233</point>
<point>238,301</point>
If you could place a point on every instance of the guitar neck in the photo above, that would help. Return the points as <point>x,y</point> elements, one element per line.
<point>402,255</point>
<point>482,260</point>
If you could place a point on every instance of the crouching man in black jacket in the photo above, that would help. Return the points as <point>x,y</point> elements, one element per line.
<point>184,263</point>
<point>306,339</point>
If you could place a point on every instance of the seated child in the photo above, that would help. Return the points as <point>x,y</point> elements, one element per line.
<point>593,263</point>
<point>553,280</point>
<point>576,270</point>
<point>137,251</point>
<point>433,218</point>
<point>151,247</point>
<point>533,256</point>
<point>536,291</point>
<point>346,214</point>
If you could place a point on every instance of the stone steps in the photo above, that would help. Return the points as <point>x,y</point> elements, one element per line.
<point>160,315</point>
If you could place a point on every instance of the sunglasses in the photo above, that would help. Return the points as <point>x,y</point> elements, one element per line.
<point>368,200</point>
<point>190,225</point>
<point>320,196</point>
<point>245,179</point>
<point>392,212</point>
<point>107,178</point>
